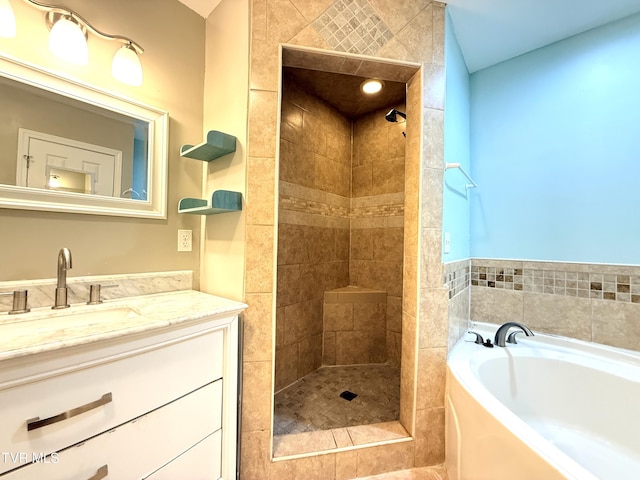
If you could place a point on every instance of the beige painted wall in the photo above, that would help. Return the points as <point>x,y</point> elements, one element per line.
<point>225,109</point>
<point>173,62</point>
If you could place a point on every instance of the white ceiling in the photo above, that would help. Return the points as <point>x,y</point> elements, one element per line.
<point>491,31</point>
<point>201,7</point>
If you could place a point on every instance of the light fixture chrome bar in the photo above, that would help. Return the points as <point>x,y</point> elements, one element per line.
<point>84,23</point>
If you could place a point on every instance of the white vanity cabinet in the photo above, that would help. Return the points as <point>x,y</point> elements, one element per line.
<point>155,404</point>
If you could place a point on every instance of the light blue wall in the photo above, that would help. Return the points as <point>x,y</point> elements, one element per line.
<point>139,180</point>
<point>555,148</point>
<point>455,219</point>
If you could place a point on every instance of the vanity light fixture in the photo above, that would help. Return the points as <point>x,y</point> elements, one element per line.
<point>126,66</point>
<point>371,86</point>
<point>54,181</point>
<point>68,40</point>
<point>7,20</point>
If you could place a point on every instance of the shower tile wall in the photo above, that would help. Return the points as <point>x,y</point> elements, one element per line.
<point>377,215</point>
<point>313,226</point>
<point>314,241</point>
<point>418,36</point>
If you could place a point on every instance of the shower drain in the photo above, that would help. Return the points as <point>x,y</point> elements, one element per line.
<point>347,395</point>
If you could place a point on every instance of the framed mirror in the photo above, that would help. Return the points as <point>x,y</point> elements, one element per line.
<point>66,146</point>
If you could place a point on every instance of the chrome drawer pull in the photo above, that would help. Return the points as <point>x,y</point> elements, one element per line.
<point>34,423</point>
<point>102,472</point>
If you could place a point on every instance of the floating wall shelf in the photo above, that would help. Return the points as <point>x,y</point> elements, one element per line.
<point>217,145</point>
<point>222,201</point>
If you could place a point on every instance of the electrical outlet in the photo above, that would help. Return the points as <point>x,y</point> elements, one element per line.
<point>447,242</point>
<point>184,240</point>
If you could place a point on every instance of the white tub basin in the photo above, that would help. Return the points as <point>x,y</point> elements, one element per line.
<point>547,408</point>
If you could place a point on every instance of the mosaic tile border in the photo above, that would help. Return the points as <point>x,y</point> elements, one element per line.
<point>396,210</point>
<point>289,202</point>
<point>383,205</point>
<point>457,278</point>
<point>296,198</point>
<point>620,287</point>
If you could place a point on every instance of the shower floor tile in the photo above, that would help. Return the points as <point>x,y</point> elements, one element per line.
<point>313,403</point>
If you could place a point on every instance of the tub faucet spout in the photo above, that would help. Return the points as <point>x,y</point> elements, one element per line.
<point>502,332</point>
<point>64,264</point>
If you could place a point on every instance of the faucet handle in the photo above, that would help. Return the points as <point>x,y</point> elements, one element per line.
<point>20,301</point>
<point>479,340</point>
<point>512,336</point>
<point>94,292</point>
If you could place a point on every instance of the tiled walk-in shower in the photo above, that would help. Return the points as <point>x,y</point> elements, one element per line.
<point>339,265</point>
<point>314,402</point>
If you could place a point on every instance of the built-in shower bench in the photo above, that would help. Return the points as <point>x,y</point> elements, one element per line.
<point>354,326</point>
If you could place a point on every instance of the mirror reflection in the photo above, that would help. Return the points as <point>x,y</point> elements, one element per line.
<point>53,142</point>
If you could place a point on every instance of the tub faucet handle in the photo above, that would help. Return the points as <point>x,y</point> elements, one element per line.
<point>479,340</point>
<point>512,336</point>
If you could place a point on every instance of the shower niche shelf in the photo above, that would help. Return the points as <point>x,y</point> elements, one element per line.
<point>218,144</point>
<point>222,201</point>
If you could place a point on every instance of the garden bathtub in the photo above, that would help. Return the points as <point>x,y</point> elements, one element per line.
<point>547,408</point>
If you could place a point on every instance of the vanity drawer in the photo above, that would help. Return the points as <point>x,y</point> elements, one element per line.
<point>137,384</point>
<point>141,447</point>
<point>200,462</point>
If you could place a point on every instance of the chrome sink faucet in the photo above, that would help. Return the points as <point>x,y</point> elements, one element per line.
<point>64,264</point>
<point>501,334</point>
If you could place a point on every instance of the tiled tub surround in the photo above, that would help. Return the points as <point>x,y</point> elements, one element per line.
<point>418,29</point>
<point>592,302</point>
<point>457,277</point>
<point>457,280</point>
<point>41,293</point>
<point>556,281</point>
<point>354,326</point>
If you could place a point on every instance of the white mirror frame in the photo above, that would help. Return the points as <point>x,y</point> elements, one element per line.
<point>24,198</point>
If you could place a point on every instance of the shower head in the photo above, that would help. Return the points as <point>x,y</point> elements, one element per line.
<point>392,116</point>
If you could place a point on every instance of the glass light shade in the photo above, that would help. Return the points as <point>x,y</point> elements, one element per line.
<point>7,20</point>
<point>371,86</point>
<point>54,181</point>
<point>67,41</point>
<point>126,66</point>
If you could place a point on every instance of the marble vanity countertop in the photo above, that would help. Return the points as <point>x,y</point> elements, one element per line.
<point>44,329</point>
